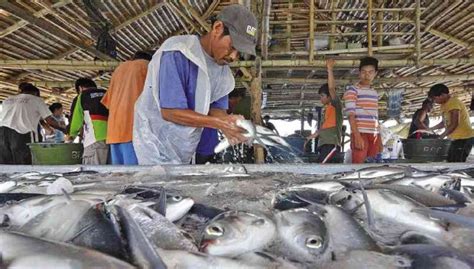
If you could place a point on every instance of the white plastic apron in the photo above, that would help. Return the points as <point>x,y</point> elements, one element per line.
<point>157,141</point>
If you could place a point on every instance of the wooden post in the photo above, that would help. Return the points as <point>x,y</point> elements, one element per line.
<point>418,33</point>
<point>265,27</point>
<point>369,27</point>
<point>311,30</point>
<point>380,25</point>
<point>333,25</point>
<point>302,121</point>
<point>256,105</point>
<point>288,26</point>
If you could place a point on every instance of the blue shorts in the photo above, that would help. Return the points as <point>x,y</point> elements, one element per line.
<point>123,153</point>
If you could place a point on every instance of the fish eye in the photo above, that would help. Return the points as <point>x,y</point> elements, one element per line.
<point>215,230</point>
<point>313,242</point>
<point>177,198</point>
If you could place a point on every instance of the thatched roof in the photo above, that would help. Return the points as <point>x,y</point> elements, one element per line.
<point>52,43</point>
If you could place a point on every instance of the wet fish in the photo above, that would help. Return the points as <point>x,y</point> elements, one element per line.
<point>16,197</point>
<point>191,260</point>
<point>292,198</point>
<point>267,260</point>
<point>420,195</point>
<point>234,233</point>
<point>255,134</point>
<point>431,256</point>
<point>393,216</point>
<point>79,222</point>
<point>22,251</point>
<point>302,237</point>
<point>20,213</point>
<point>386,171</point>
<point>176,205</point>
<point>430,182</point>
<point>362,259</point>
<point>159,230</point>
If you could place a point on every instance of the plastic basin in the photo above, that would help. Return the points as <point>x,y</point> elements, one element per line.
<point>56,153</point>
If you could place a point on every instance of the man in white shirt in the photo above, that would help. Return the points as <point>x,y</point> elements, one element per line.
<point>19,120</point>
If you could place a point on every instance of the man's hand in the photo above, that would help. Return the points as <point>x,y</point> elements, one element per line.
<point>230,129</point>
<point>313,136</point>
<point>330,64</point>
<point>358,142</point>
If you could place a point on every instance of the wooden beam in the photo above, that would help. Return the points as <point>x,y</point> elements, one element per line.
<point>195,15</point>
<point>333,26</point>
<point>302,64</point>
<point>418,32</point>
<point>39,14</point>
<point>311,30</point>
<point>380,23</point>
<point>265,27</point>
<point>369,27</point>
<point>147,12</point>
<point>181,14</point>
<point>439,16</point>
<point>288,26</point>
<point>51,29</point>
<point>256,105</point>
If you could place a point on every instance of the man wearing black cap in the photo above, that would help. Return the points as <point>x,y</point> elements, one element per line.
<point>186,89</point>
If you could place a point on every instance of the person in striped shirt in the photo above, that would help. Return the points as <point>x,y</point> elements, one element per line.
<point>361,105</point>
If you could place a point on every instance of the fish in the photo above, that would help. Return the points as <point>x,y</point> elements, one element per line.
<point>79,222</point>
<point>22,251</point>
<point>267,260</point>
<point>16,197</point>
<point>176,205</point>
<point>420,195</point>
<point>191,260</point>
<point>7,186</point>
<point>142,252</point>
<point>161,232</point>
<point>393,216</point>
<point>234,233</point>
<point>432,256</point>
<point>23,211</point>
<point>386,171</point>
<point>255,134</point>
<point>363,259</point>
<point>292,198</point>
<point>302,237</point>
<point>433,183</point>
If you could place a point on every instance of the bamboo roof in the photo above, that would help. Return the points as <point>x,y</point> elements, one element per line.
<point>419,43</point>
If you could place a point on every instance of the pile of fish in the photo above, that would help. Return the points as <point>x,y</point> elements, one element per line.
<point>376,217</point>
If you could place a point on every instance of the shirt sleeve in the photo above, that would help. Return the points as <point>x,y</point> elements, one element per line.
<point>77,117</point>
<point>106,99</point>
<point>350,99</point>
<point>174,71</point>
<point>222,103</point>
<point>43,110</point>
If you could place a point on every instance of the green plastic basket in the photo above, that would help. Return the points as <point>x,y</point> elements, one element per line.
<point>56,153</point>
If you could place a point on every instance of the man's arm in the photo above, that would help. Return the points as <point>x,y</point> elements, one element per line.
<point>453,123</point>
<point>53,123</point>
<point>77,118</point>
<point>331,82</point>
<point>217,120</point>
<point>437,126</point>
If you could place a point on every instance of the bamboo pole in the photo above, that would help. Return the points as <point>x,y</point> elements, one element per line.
<point>311,30</point>
<point>265,27</point>
<point>352,63</point>
<point>288,27</point>
<point>110,65</point>
<point>256,105</point>
<point>369,27</point>
<point>195,15</point>
<point>418,33</point>
<point>333,26</point>
<point>380,23</point>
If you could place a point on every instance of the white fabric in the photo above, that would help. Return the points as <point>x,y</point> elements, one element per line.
<point>157,141</point>
<point>89,134</point>
<point>23,112</point>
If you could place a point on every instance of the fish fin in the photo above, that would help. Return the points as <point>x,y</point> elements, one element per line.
<point>368,208</point>
<point>354,210</point>
<point>448,217</point>
<point>68,197</point>
<point>161,206</point>
<point>455,195</point>
<point>414,237</point>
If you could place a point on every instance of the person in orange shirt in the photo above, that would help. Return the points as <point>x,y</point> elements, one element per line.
<point>329,142</point>
<point>126,85</point>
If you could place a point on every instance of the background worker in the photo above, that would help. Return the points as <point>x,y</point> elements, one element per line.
<point>125,87</point>
<point>361,102</point>
<point>456,122</point>
<point>19,121</point>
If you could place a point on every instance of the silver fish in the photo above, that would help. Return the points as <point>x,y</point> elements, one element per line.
<point>21,251</point>
<point>302,236</point>
<point>362,259</point>
<point>234,233</point>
